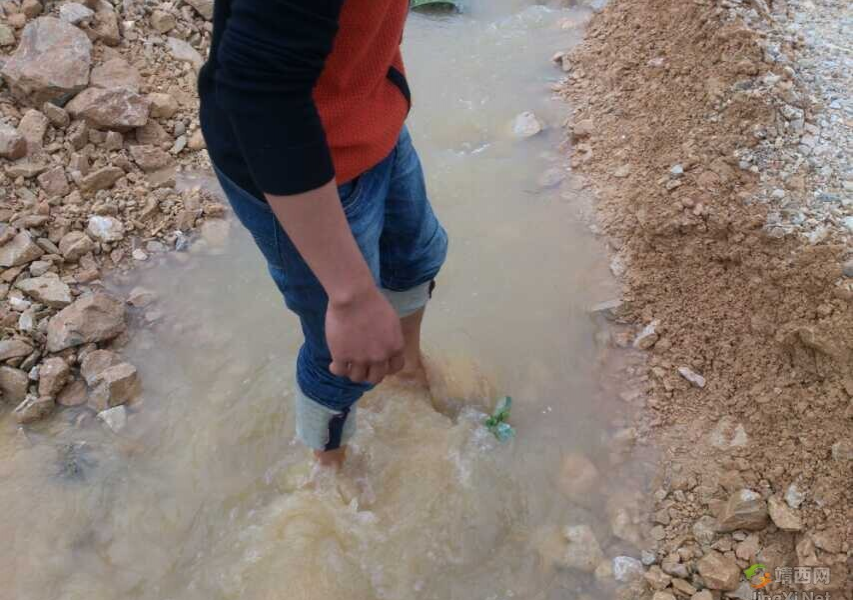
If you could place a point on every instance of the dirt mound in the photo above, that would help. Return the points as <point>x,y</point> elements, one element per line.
<point>673,101</point>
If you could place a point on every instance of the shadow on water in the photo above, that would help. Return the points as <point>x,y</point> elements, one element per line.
<point>206,495</point>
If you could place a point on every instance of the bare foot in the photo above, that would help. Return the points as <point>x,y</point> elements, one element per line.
<point>331,458</point>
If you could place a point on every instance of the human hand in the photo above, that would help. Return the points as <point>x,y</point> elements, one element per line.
<point>364,337</point>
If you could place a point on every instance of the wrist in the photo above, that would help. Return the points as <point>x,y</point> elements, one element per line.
<point>351,294</point>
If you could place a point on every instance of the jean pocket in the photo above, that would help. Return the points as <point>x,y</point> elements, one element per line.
<point>350,193</point>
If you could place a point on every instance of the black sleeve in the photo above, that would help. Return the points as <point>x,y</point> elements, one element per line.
<point>271,55</point>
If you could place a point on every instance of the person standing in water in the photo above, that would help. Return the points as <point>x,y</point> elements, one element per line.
<point>303,108</point>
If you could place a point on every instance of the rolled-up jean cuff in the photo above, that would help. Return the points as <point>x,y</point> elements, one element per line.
<point>409,301</point>
<point>322,428</point>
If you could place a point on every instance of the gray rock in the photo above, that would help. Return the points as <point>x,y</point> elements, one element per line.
<point>694,378</point>
<point>116,109</point>
<point>704,530</point>
<point>51,62</point>
<point>74,13</point>
<point>115,418</point>
<point>847,268</point>
<point>105,229</point>
<point>626,568</point>
<point>525,125</point>
<point>91,318</point>
<point>648,337</point>
<point>20,250</point>
<point>183,52</point>
<point>48,289</point>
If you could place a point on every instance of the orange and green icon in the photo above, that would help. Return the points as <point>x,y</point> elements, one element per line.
<point>757,569</point>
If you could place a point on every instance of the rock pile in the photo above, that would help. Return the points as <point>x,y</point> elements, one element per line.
<point>98,117</point>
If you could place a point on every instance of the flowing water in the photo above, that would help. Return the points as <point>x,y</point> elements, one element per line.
<point>205,495</point>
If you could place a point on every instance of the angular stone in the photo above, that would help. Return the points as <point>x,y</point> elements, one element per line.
<point>106,26</point>
<point>525,125</point>
<point>117,109</point>
<point>51,62</point>
<point>784,517</point>
<point>105,229</point>
<point>21,250</point>
<point>34,409</point>
<point>719,572</point>
<point>95,363</point>
<point>75,393</point>
<point>116,74</point>
<point>33,126</point>
<point>583,552</point>
<point>656,578</point>
<point>53,375</point>
<point>183,52</point>
<point>54,182</point>
<point>150,158</point>
<point>48,289</point>
<point>14,348</point>
<point>13,384</point>
<point>162,21</point>
<point>115,418</point>
<point>197,141</point>
<point>27,170</point>
<point>114,386</point>
<point>74,13</point>
<point>702,595</point>
<point>102,179</point>
<point>627,568</point>
<point>202,7</point>
<point>662,596</point>
<point>7,36</point>
<point>32,8</point>
<point>56,115</point>
<point>648,337</point>
<point>744,509</point>
<point>163,105</point>
<point>691,376</point>
<point>91,318</point>
<point>74,245</point>
<point>141,297</point>
<point>13,145</point>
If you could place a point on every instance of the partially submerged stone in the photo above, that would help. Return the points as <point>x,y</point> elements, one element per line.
<point>114,418</point>
<point>13,384</point>
<point>114,386</point>
<point>525,125</point>
<point>34,408</point>
<point>53,374</point>
<point>91,318</point>
<point>583,552</point>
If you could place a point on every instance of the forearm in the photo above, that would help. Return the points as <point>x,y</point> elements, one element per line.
<point>317,226</point>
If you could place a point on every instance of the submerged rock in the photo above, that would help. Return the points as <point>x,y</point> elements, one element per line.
<point>114,418</point>
<point>34,408</point>
<point>583,552</point>
<point>526,125</point>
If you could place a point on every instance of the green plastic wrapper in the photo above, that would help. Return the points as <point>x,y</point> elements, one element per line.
<point>497,423</point>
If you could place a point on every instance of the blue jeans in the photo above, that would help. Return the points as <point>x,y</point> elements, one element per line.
<point>398,234</point>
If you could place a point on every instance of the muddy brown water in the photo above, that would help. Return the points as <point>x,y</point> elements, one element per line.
<point>205,495</point>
